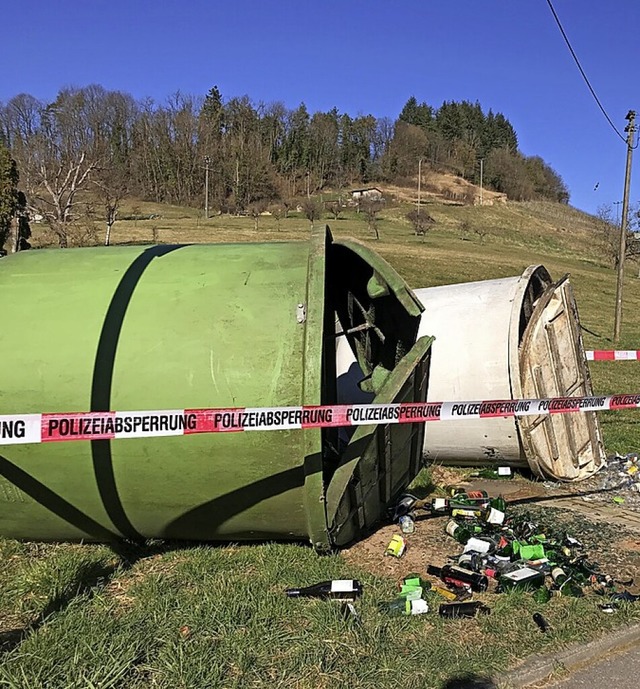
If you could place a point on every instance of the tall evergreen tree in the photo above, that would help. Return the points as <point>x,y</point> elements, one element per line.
<point>418,114</point>
<point>8,192</point>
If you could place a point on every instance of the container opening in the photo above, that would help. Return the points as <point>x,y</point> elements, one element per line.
<point>379,332</point>
<point>369,305</point>
<point>536,287</point>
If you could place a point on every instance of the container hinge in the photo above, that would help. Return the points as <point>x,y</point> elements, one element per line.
<point>301,313</point>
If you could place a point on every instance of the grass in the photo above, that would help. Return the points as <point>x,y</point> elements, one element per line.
<point>185,615</point>
<point>216,617</point>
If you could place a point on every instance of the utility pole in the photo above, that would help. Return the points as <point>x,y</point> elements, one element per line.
<point>207,160</point>
<point>481,170</point>
<point>617,205</point>
<point>630,129</point>
<point>419,181</point>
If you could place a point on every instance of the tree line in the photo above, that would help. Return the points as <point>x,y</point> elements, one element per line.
<point>107,143</point>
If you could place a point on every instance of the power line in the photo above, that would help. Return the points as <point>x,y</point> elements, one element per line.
<point>584,76</point>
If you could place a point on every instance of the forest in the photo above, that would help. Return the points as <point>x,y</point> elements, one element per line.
<point>105,145</point>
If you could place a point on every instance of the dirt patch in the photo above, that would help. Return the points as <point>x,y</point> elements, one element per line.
<point>610,533</point>
<point>427,545</point>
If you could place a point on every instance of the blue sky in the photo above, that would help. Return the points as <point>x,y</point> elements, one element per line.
<point>361,57</point>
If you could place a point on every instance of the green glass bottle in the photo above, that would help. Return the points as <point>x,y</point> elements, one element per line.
<point>404,606</point>
<point>565,584</point>
<point>523,578</point>
<point>504,551</point>
<point>344,589</point>
<point>459,532</point>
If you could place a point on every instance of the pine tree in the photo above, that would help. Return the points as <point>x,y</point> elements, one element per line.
<point>8,192</point>
<point>418,114</point>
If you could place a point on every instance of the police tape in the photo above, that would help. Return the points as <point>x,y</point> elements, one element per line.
<point>613,355</point>
<point>16,429</point>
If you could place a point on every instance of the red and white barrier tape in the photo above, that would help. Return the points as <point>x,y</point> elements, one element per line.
<point>613,355</point>
<point>114,425</point>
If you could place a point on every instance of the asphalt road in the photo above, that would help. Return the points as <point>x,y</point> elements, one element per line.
<point>610,662</point>
<point>617,670</point>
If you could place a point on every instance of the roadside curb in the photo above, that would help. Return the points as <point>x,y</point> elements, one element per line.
<point>539,668</point>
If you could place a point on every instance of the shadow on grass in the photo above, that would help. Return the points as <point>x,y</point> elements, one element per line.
<point>89,575</point>
<point>94,576</point>
<point>89,578</point>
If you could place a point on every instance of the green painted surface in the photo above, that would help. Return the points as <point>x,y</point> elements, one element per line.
<point>168,327</point>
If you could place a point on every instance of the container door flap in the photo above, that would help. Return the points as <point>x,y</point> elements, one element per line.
<point>565,447</point>
<point>380,461</point>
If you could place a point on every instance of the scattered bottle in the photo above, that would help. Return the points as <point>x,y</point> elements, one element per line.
<point>499,504</point>
<point>473,499</point>
<point>497,473</point>
<point>459,532</point>
<point>480,544</point>
<point>439,505</point>
<point>466,609</point>
<point>504,550</point>
<point>407,524</point>
<point>448,593</point>
<point>472,561</point>
<point>405,606</point>
<point>460,577</point>
<point>565,584</point>
<point>452,490</point>
<point>489,514</point>
<point>342,589</point>
<point>397,546</point>
<point>461,493</point>
<point>523,578</point>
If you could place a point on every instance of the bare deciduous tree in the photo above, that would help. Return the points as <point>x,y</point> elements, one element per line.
<point>54,148</point>
<point>335,208</point>
<point>311,209</point>
<point>277,211</point>
<point>421,221</point>
<point>371,208</point>
<point>55,195</point>
<point>256,209</point>
<point>608,234</point>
